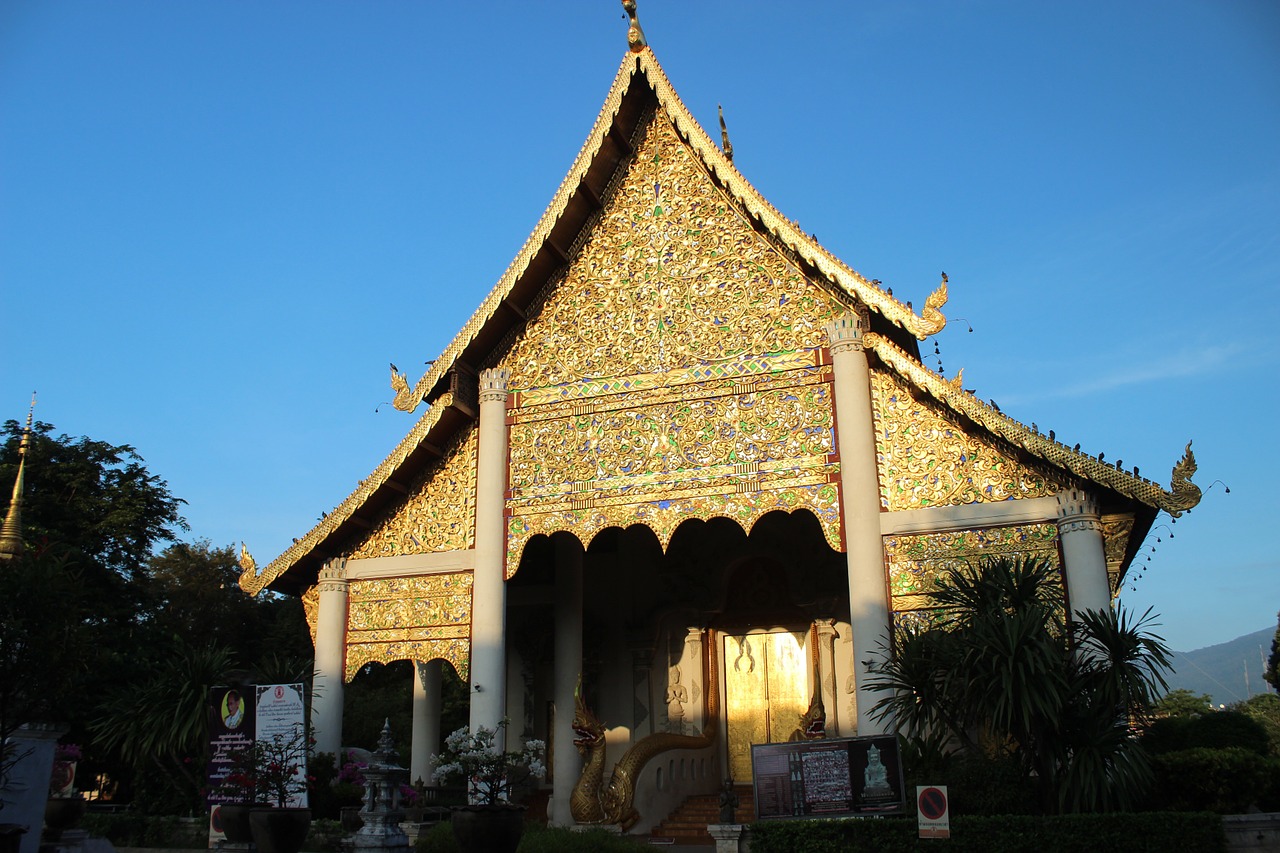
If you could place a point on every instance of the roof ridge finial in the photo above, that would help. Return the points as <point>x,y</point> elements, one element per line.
<point>11,532</point>
<point>635,36</point>
<point>724,136</point>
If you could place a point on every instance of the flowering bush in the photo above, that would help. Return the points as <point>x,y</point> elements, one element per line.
<point>269,771</point>
<point>489,773</point>
<point>352,772</point>
<point>62,780</point>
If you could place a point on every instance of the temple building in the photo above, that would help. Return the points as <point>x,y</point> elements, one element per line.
<point>685,457</point>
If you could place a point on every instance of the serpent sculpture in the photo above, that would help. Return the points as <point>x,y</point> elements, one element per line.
<point>592,801</point>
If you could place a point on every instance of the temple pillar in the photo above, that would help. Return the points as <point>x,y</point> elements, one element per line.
<point>693,676</point>
<point>826,630</point>
<point>331,647</point>
<point>566,763</point>
<point>1083,555</point>
<point>425,738</point>
<point>860,504</point>
<point>488,589</point>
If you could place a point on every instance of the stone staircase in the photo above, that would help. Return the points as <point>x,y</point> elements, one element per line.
<point>688,823</point>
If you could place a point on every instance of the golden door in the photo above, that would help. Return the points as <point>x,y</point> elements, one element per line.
<point>766,693</point>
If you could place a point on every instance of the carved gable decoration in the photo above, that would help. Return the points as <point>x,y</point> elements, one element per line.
<point>414,618</point>
<point>674,371</point>
<point>926,459</point>
<point>670,275</point>
<point>438,514</point>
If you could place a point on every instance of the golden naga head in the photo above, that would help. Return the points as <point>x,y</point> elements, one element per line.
<point>934,320</point>
<point>248,565</point>
<point>587,729</point>
<point>1184,494</point>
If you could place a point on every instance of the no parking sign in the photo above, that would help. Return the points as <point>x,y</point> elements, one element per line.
<point>933,815</point>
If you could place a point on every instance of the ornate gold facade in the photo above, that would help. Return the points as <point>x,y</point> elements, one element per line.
<point>926,459</point>
<point>439,513</point>
<point>674,372</point>
<point>414,618</point>
<point>672,275</point>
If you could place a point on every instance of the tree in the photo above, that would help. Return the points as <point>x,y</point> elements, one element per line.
<point>160,725</point>
<point>162,626</point>
<point>1272,675</point>
<point>1183,703</point>
<point>1004,673</point>
<point>96,499</point>
<point>43,644</point>
<point>97,507</point>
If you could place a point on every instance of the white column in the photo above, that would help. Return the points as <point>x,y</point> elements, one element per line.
<point>426,720</point>
<point>692,674</point>
<point>568,650</point>
<point>860,500</point>
<point>489,590</point>
<point>331,642</point>
<point>1085,558</point>
<point>827,673</point>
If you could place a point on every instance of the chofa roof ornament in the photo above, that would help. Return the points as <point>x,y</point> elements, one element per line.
<point>635,36</point>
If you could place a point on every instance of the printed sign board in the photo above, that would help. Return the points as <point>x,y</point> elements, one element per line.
<point>828,778</point>
<point>933,812</point>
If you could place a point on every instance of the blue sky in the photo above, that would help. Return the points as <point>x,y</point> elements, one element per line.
<point>220,221</point>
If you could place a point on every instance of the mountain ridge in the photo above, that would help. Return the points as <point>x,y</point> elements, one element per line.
<point>1228,672</point>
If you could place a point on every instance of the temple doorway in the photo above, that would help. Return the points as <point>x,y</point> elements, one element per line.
<point>766,684</point>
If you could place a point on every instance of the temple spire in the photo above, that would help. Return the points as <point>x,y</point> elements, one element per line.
<point>11,532</point>
<point>635,35</point>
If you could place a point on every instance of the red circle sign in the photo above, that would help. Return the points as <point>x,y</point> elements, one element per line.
<point>933,803</point>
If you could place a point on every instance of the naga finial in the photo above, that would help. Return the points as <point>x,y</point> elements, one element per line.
<point>1185,493</point>
<point>635,36</point>
<point>404,394</point>
<point>248,565</point>
<point>957,381</point>
<point>724,136</point>
<point>933,318</point>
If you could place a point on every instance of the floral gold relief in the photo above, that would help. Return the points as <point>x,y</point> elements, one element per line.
<point>916,561</point>
<point>671,275</point>
<point>439,512</point>
<point>927,460</point>
<point>673,372</point>
<point>410,618</point>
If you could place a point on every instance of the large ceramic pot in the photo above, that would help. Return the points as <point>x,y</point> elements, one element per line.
<point>235,822</point>
<point>11,837</point>
<point>279,830</point>
<point>62,813</point>
<point>488,829</point>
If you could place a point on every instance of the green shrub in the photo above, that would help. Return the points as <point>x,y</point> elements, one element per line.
<point>438,839</point>
<point>1139,833</point>
<point>1226,781</point>
<point>539,839</point>
<point>129,829</point>
<point>1219,730</point>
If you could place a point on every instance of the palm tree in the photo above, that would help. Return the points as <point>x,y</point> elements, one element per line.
<point>1002,670</point>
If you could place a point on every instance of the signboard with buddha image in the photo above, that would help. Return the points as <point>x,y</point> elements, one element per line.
<point>842,777</point>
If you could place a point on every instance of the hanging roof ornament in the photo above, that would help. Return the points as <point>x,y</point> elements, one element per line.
<point>635,36</point>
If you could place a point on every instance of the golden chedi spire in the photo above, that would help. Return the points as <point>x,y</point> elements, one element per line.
<point>11,531</point>
<point>635,35</point>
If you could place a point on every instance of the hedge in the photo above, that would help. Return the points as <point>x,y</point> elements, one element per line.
<point>1139,832</point>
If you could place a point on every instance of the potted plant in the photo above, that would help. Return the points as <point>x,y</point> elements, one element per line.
<point>65,806</point>
<point>240,793</point>
<point>272,773</point>
<point>490,774</point>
